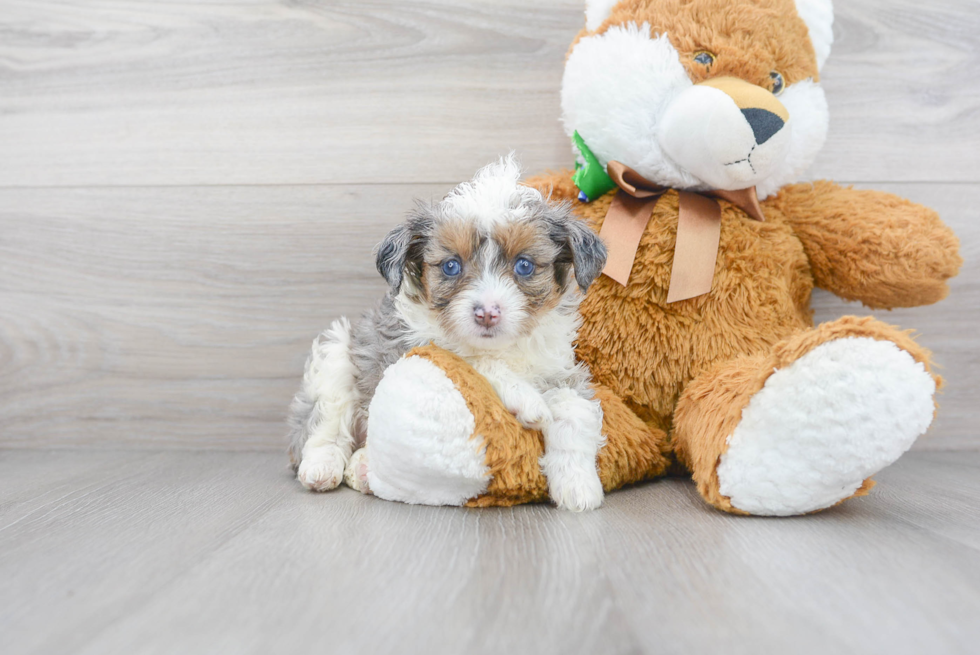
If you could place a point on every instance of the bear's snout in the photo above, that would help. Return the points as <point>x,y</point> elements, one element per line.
<point>727,132</point>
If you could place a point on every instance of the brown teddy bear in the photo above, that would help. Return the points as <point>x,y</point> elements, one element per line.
<point>692,122</point>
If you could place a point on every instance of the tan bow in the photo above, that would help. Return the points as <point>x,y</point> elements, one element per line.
<point>698,230</point>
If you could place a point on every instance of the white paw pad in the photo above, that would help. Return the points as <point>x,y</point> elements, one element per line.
<point>322,469</point>
<point>821,426</point>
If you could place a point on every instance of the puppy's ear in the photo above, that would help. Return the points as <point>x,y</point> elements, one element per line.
<point>588,253</point>
<point>580,246</point>
<point>391,255</point>
<point>400,253</point>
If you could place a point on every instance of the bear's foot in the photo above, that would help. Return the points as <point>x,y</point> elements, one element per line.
<point>420,446</point>
<point>805,427</point>
<point>818,429</point>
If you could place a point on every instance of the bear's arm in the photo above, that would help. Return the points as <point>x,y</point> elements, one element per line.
<point>871,246</point>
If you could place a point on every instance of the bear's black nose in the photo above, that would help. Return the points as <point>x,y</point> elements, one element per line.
<point>764,123</point>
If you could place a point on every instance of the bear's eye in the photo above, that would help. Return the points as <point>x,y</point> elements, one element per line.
<point>704,58</point>
<point>778,83</point>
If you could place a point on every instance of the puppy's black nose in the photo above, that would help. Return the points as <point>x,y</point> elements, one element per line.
<point>486,317</point>
<point>764,123</point>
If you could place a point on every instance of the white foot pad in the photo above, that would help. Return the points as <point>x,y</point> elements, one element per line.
<point>821,426</point>
<point>420,441</point>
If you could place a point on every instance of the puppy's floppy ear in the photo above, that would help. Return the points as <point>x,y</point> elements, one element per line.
<point>588,253</point>
<point>580,246</point>
<point>400,253</point>
<point>391,254</point>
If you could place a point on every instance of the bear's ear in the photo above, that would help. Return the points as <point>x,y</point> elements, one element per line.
<point>819,18</point>
<point>596,12</point>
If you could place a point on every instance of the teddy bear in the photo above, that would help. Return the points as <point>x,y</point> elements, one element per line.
<point>692,122</point>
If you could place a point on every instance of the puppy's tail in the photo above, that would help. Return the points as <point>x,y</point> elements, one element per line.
<point>324,406</point>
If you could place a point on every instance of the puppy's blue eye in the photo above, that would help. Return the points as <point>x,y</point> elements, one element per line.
<point>523,267</point>
<point>451,268</point>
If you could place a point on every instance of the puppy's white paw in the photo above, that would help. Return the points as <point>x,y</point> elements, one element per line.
<point>573,487</point>
<point>355,476</point>
<point>322,468</point>
<point>529,408</point>
<point>576,492</point>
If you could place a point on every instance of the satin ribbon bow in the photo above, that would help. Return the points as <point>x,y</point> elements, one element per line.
<point>698,230</point>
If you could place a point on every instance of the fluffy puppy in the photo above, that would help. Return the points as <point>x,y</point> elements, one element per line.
<point>495,274</point>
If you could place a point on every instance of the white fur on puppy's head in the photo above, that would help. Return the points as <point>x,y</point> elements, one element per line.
<point>494,195</point>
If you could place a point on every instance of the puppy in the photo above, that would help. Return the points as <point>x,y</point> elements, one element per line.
<point>495,274</point>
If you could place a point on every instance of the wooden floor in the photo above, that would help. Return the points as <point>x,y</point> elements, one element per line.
<point>217,552</point>
<point>190,192</point>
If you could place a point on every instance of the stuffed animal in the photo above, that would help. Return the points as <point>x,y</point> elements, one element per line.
<point>692,122</point>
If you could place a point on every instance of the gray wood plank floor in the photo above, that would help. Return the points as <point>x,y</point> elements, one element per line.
<point>183,552</point>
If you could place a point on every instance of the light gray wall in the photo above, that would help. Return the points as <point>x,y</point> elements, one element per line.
<point>189,192</point>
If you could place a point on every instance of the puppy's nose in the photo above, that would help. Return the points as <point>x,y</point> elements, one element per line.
<point>487,317</point>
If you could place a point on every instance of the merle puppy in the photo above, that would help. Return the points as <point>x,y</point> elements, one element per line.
<point>495,274</point>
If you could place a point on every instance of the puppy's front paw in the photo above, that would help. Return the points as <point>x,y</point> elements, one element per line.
<point>322,469</point>
<point>534,414</point>
<point>574,487</point>
<point>529,408</point>
<point>355,476</point>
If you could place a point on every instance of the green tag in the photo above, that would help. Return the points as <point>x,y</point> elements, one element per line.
<point>590,177</point>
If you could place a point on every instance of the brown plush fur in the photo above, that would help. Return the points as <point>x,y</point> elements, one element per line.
<point>647,351</point>
<point>906,264</point>
<point>747,40</point>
